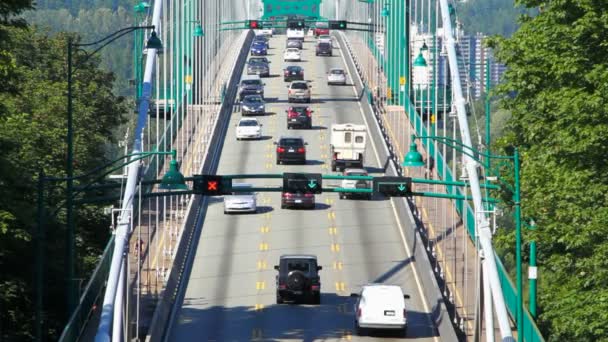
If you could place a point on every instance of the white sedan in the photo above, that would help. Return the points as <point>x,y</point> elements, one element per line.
<point>380,306</point>
<point>242,201</point>
<point>336,76</point>
<point>292,54</point>
<point>248,128</point>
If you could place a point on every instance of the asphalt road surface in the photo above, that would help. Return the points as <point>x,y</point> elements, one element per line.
<point>230,294</point>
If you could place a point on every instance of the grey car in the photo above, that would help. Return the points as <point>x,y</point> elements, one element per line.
<point>251,86</point>
<point>256,68</point>
<point>253,104</point>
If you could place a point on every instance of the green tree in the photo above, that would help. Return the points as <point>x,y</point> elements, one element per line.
<point>33,130</point>
<point>488,16</point>
<point>556,90</point>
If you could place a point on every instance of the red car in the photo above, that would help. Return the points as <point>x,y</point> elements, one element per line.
<point>299,117</point>
<point>321,28</point>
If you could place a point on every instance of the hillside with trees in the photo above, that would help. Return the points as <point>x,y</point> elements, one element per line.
<point>556,90</point>
<point>489,17</point>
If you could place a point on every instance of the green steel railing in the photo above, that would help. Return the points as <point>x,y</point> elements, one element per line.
<point>530,330</point>
<point>91,295</point>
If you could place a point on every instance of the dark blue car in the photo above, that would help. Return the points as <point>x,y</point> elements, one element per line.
<point>259,49</point>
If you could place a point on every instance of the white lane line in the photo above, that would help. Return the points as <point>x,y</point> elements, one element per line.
<point>407,248</point>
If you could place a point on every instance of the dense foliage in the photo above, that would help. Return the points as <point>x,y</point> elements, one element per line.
<point>32,139</point>
<point>488,16</point>
<point>559,103</point>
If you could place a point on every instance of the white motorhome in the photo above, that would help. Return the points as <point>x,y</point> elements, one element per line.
<point>347,146</point>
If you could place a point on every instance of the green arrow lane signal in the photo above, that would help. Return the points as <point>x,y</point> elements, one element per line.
<point>401,187</point>
<point>312,184</point>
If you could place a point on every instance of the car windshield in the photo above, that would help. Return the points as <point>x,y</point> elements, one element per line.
<point>294,68</point>
<point>337,72</point>
<point>257,64</point>
<point>291,142</point>
<point>299,85</point>
<point>293,50</point>
<point>258,44</point>
<point>322,25</point>
<point>250,82</point>
<point>253,99</point>
<point>324,46</point>
<point>258,60</point>
<point>248,123</point>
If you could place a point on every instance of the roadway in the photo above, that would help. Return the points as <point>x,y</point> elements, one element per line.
<point>230,295</point>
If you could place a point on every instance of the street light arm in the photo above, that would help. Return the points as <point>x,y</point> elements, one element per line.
<point>106,41</point>
<point>143,155</point>
<point>460,144</point>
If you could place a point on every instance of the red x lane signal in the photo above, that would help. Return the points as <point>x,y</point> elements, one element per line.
<point>211,185</point>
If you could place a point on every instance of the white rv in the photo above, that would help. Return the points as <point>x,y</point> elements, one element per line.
<point>347,146</point>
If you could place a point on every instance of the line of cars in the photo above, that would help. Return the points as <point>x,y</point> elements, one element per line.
<point>378,306</point>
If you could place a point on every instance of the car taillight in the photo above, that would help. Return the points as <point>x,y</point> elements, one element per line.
<point>301,72</point>
<point>280,149</point>
<point>359,312</point>
<point>301,150</point>
<point>282,287</point>
<point>309,195</point>
<point>315,287</point>
<point>287,195</point>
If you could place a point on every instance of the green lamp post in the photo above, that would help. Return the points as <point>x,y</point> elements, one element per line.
<point>173,180</point>
<point>411,160</point>
<point>153,43</point>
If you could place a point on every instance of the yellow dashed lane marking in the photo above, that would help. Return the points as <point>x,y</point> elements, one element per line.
<point>347,335</point>
<point>331,215</point>
<point>335,247</point>
<point>337,265</point>
<point>333,230</point>
<point>340,286</point>
<point>264,229</point>
<point>260,285</point>
<point>263,246</point>
<point>256,334</point>
<point>262,265</point>
<point>329,201</point>
<point>259,307</point>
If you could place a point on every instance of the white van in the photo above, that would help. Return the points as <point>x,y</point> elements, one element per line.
<point>347,146</point>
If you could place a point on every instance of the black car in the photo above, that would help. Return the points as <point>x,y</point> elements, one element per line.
<point>294,43</point>
<point>253,104</point>
<point>300,116</point>
<point>252,85</point>
<point>261,38</point>
<point>291,149</point>
<point>293,73</point>
<point>256,68</point>
<point>324,49</point>
<point>298,279</point>
<point>297,200</point>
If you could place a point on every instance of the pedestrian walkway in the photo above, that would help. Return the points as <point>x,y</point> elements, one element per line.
<point>453,254</point>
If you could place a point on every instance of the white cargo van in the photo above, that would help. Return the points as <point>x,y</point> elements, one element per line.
<point>347,146</point>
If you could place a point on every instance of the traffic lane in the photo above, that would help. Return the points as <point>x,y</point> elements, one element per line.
<point>222,278</point>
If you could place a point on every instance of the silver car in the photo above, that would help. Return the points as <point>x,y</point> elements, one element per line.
<point>336,76</point>
<point>240,201</point>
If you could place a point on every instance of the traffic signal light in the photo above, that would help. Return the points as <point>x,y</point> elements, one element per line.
<point>211,185</point>
<point>293,24</point>
<point>337,24</point>
<point>311,183</point>
<point>255,24</point>
<point>393,186</point>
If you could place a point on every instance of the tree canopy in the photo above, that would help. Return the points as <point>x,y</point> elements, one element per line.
<point>32,139</point>
<point>556,90</point>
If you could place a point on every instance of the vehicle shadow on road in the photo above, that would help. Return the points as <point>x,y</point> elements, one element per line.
<point>332,319</point>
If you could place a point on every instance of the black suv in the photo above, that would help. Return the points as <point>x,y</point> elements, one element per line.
<point>291,149</point>
<point>298,279</point>
<point>251,85</point>
<point>323,49</point>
